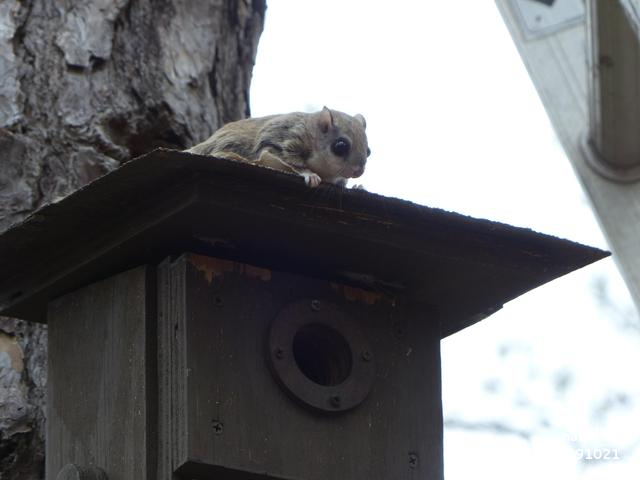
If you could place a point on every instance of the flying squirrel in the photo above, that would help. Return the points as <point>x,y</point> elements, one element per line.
<point>328,145</point>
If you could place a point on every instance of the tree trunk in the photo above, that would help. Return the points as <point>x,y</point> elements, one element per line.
<point>84,86</point>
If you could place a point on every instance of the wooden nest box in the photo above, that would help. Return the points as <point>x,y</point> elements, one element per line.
<point>210,319</point>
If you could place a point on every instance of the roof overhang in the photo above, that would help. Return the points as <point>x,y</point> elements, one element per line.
<point>168,202</point>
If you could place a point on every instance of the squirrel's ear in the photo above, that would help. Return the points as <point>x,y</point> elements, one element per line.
<point>325,120</point>
<point>361,119</point>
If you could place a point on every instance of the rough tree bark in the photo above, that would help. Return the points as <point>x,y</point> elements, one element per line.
<point>84,86</point>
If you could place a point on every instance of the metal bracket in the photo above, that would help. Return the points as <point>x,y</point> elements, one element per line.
<point>604,169</point>
<point>543,17</point>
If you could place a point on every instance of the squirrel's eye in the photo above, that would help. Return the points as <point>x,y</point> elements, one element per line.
<point>368,151</point>
<point>340,147</point>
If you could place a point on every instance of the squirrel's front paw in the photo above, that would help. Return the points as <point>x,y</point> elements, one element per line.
<point>311,179</point>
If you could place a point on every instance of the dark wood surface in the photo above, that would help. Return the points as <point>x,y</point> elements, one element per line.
<point>171,368</point>
<point>224,412</point>
<point>169,202</point>
<point>101,376</point>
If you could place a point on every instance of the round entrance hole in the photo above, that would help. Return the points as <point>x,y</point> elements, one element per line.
<point>319,355</point>
<point>322,354</point>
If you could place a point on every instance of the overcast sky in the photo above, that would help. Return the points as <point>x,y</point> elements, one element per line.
<point>454,122</point>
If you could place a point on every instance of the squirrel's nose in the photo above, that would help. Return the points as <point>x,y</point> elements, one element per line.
<point>358,171</point>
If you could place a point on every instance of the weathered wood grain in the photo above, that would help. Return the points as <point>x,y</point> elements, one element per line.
<point>178,202</point>
<point>102,378</point>
<point>231,416</point>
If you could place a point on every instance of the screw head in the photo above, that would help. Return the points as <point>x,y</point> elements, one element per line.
<point>315,305</point>
<point>217,427</point>
<point>366,356</point>
<point>413,460</point>
<point>335,401</point>
<point>279,353</point>
<point>605,61</point>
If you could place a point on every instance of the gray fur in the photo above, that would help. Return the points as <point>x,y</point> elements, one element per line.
<point>298,142</point>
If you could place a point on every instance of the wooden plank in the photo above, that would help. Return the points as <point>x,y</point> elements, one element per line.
<point>101,369</point>
<point>171,368</point>
<point>239,423</point>
<point>557,64</point>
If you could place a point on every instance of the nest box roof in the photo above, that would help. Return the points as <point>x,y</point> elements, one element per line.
<point>168,202</point>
